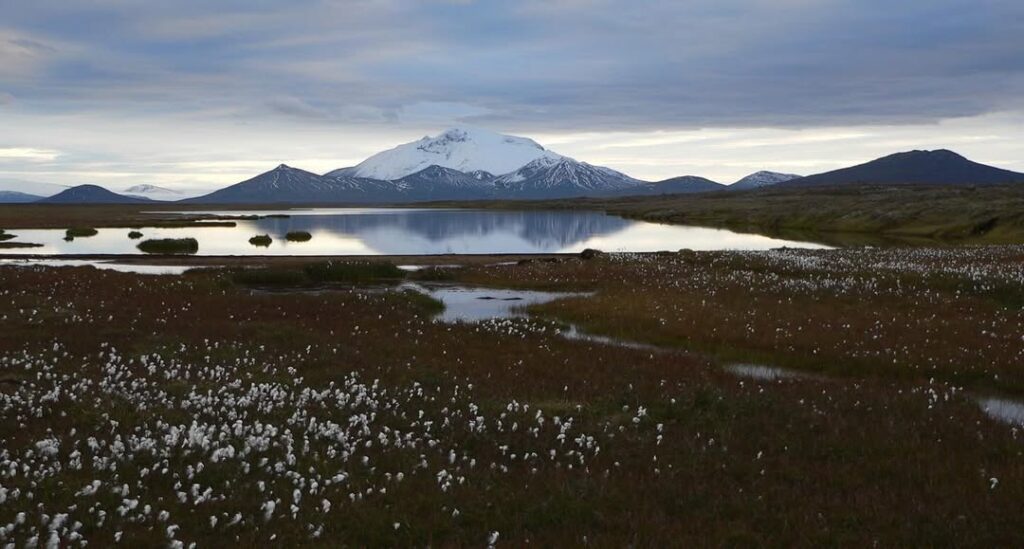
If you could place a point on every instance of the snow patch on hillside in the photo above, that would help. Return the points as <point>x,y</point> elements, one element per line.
<point>763,178</point>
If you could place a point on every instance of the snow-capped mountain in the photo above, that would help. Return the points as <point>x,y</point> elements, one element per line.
<point>463,149</point>
<point>154,192</point>
<point>560,176</point>
<point>760,179</point>
<point>149,189</point>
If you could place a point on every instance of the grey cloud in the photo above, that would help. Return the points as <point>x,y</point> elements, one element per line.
<point>29,46</point>
<point>293,106</point>
<point>539,65</point>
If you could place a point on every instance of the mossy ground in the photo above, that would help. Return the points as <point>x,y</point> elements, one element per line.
<point>298,236</point>
<point>170,246</point>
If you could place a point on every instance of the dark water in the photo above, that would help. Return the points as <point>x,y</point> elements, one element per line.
<point>361,231</point>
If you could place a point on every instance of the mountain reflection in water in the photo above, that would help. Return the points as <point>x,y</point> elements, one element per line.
<point>380,231</point>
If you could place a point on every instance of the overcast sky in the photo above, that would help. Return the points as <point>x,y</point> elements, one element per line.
<point>195,94</point>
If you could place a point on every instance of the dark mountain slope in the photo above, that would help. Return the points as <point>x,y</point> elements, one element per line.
<point>939,167</point>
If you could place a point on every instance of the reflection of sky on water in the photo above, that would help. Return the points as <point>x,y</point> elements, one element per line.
<point>1001,409</point>
<point>103,265</point>
<point>475,304</point>
<point>363,231</point>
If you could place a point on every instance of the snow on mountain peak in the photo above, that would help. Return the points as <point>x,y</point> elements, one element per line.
<point>762,179</point>
<point>153,192</point>
<point>149,189</point>
<point>465,149</point>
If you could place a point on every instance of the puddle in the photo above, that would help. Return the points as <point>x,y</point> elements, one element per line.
<point>413,268</point>
<point>765,373</point>
<point>1004,410</point>
<point>575,334</point>
<point>463,304</point>
<point>145,269</point>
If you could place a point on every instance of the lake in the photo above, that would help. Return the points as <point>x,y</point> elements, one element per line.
<point>391,231</point>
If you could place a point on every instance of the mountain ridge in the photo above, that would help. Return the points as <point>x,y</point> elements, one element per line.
<point>285,184</point>
<point>561,177</point>
<point>545,175</point>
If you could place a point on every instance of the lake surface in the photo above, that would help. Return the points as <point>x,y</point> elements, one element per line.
<point>379,231</point>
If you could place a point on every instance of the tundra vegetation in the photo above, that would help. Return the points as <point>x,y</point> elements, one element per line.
<point>169,246</point>
<point>5,241</point>
<point>6,237</point>
<point>298,236</point>
<point>80,232</point>
<point>318,274</point>
<point>847,215</point>
<point>174,410</point>
<point>353,271</point>
<point>261,240</point>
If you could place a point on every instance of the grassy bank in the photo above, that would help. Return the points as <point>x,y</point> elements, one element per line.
<point>955,215</point>
<point>320,273</point>
<point>908,215</point>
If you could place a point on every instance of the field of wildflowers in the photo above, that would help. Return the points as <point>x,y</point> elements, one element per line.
<point>190,411</point>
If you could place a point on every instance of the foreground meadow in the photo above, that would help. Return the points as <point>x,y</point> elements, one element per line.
<point>151,410</point>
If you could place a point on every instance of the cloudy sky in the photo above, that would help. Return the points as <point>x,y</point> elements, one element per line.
<point>194,94</point>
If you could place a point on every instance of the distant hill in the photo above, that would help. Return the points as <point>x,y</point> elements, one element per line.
<point>761,179</point>
<point>91,194</point>
<point>939,167</point>
<point>685,184</point>
<point>35,188</point>
<point>14,197</point>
